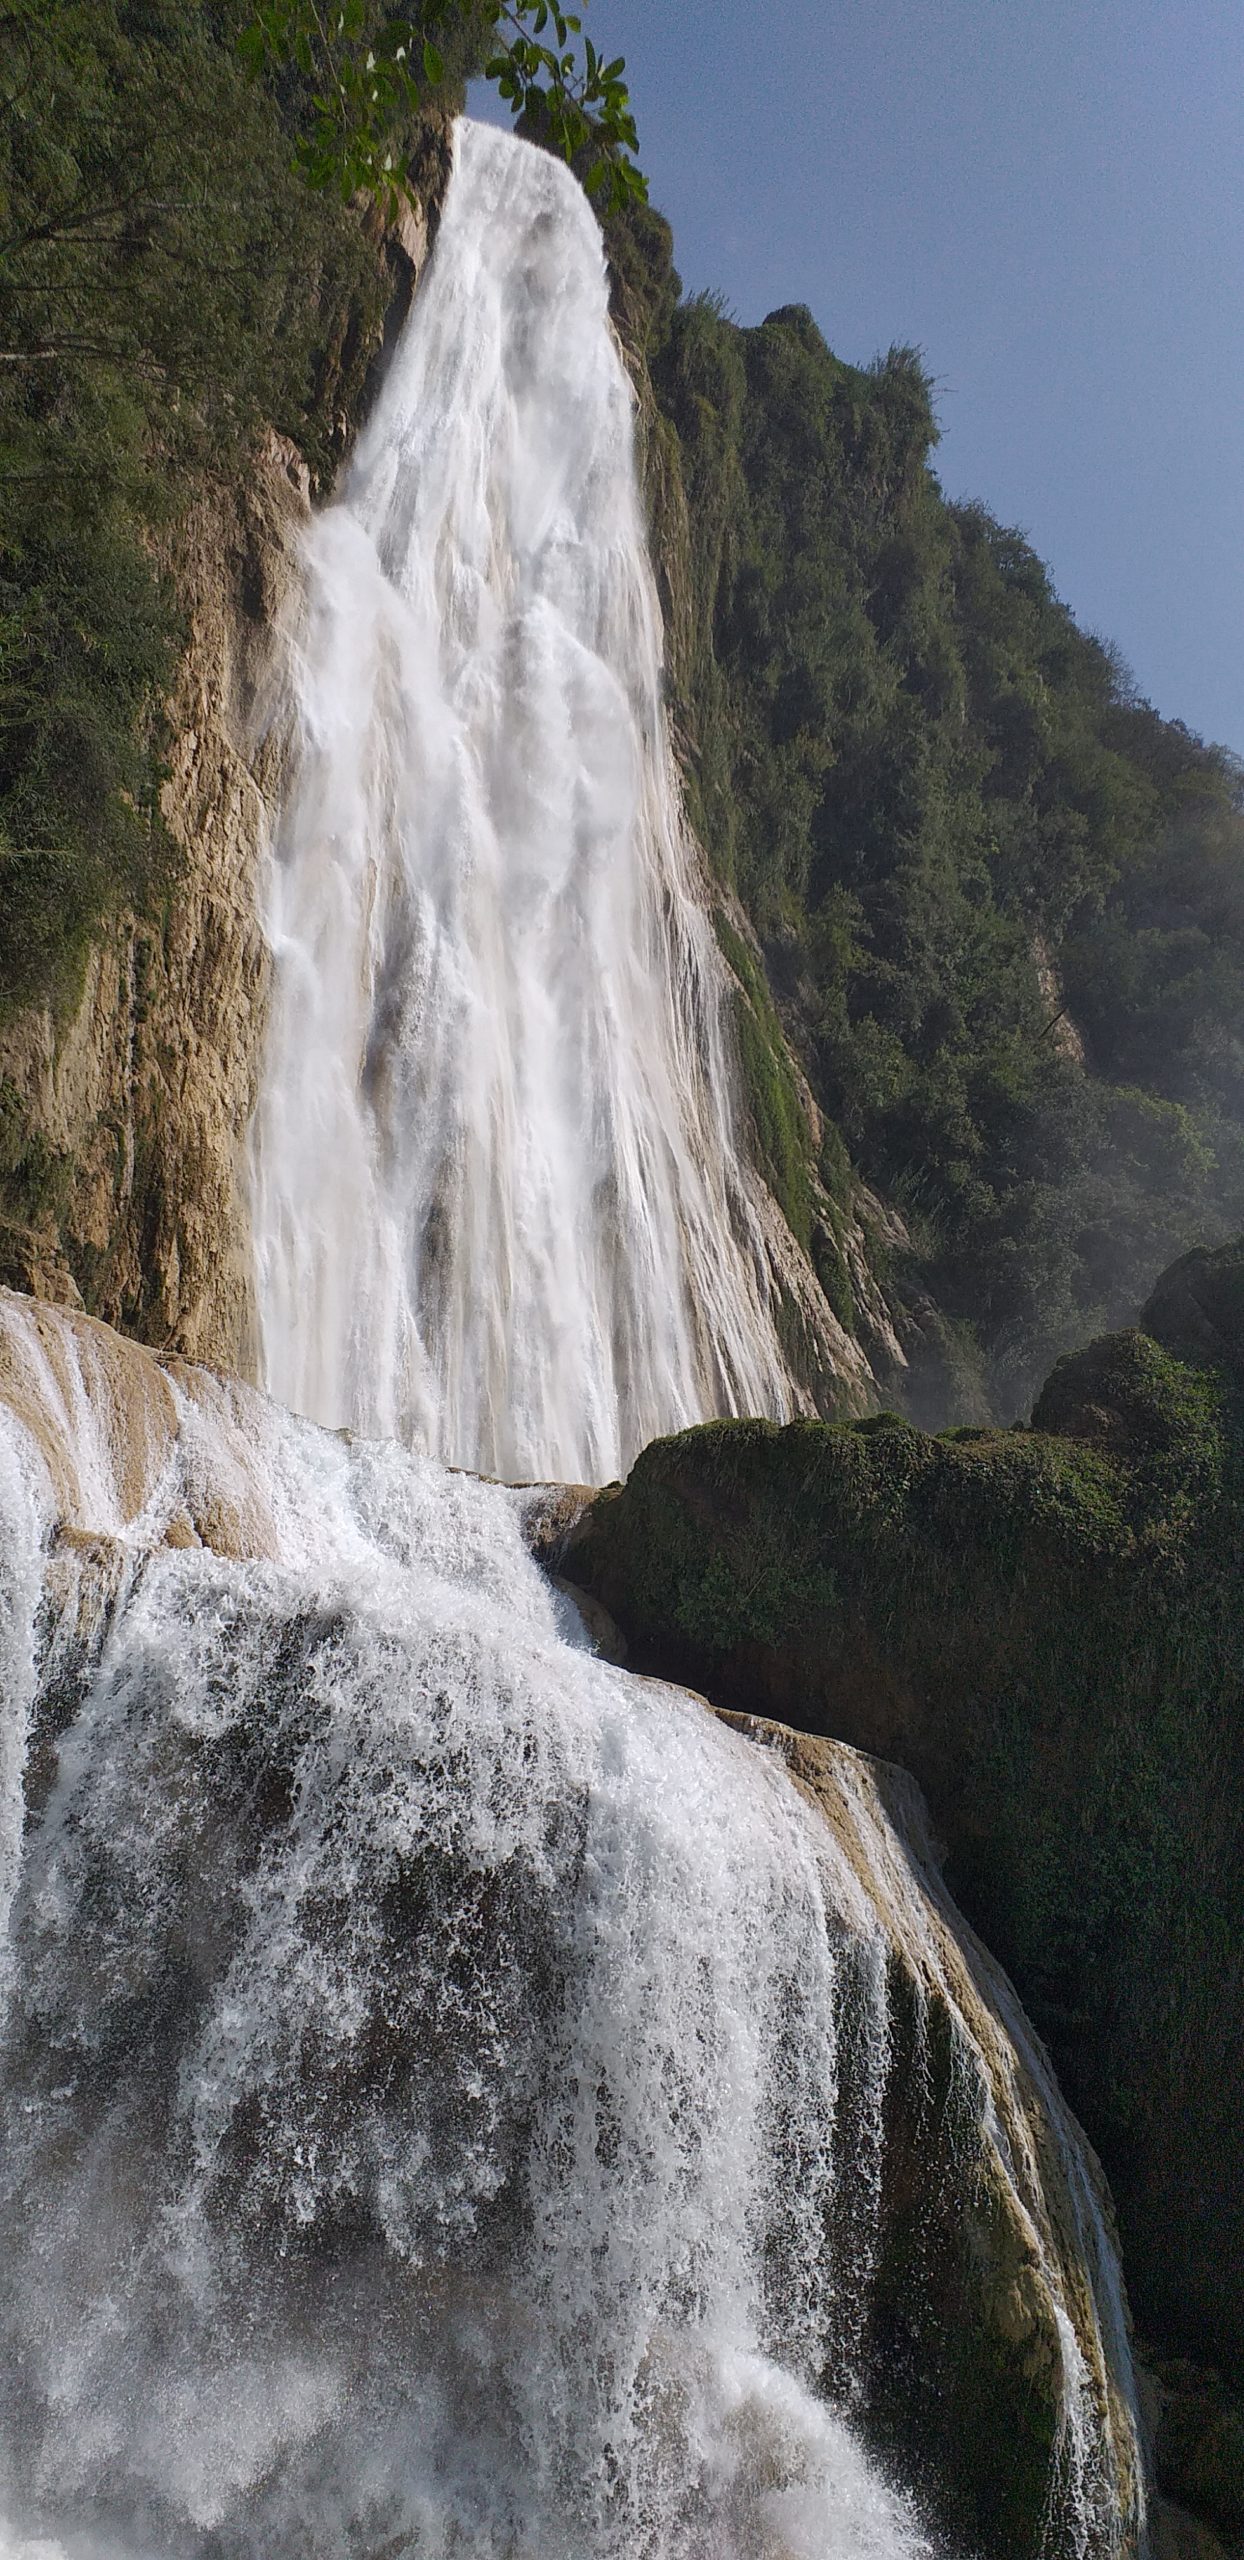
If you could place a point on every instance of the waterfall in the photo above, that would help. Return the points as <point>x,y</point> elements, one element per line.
<point>459,2101</point>
<point>444,2082</point>
<point>500,1206</point>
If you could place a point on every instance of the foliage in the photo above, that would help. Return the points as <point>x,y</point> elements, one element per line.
<point>1046,1625</point>
<point>369,70</point>
<point>166,282</point>
<point>1001,901</point>
<point>777,1117</point>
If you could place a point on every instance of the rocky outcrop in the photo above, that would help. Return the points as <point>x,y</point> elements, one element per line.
<point>126,1119</point>
<point>996,2234</point>
<point>1044,1625</point>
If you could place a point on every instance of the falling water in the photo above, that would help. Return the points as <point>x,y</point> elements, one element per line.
<point>442,2080</point>
<point>446,2085</point>
<point>499,1205</point>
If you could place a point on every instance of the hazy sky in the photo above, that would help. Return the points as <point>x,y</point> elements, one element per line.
<point>1047,197</point>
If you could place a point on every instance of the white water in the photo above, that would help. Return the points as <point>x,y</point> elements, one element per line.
<point>444,2081</point>
<point>498,1205</point>
<point>423,2041</point>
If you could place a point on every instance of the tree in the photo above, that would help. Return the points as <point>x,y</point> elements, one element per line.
<point>368,70</point>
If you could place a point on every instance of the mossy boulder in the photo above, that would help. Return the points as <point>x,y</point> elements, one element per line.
<point>1046,1626</point>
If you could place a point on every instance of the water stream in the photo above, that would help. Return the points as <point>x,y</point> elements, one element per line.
<point>443,2080</point>
<point>415,2027</point>
<point>500,1204</point>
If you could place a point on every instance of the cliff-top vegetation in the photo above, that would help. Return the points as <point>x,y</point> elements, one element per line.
<point>185,255</point>
<point>1000,899</point>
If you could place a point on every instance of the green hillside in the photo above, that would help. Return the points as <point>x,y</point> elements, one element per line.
<point>1001,901</point>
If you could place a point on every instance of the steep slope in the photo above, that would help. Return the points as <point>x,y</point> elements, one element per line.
<point>1045,1625</point>
<point>982,908</point>
<point>998,901</point>
<point>203,334</point>
<point>126,1111</point>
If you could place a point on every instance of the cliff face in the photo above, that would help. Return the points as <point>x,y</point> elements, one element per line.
<point>993,898</point>
<point>141,1099</point>
<point>124,1116</point>
<point>1044,1625</point>
<point>841,1328</point>
<point>124,1119</point>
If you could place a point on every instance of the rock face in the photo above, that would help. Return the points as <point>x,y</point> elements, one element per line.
<point>968,2336</point>
<point>1045,1625</point>
<point>142,1098</point>
<point>134,1109</point>
<point>823,1230</point>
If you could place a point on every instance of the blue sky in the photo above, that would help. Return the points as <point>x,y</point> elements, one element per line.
<point>1047,197</point>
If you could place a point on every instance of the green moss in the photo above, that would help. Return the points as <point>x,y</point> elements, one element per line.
<point>1047,1626</point>
<point>963,2370</point>
<point>34,1177</point>
<point>779,1124</point>
<point>832,1270</point>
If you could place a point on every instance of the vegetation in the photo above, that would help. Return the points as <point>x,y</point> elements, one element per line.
<point>1045,1624</point>
<point>168,281</point>
<point>369,69</point>
<point>1001,901</point>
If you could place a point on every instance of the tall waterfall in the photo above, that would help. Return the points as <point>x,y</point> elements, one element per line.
<point>458,2101</point>
<point>498,1204</point>
<point>444,2082</point>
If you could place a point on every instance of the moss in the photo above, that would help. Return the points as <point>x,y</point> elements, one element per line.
<point>1046,1625</point>
<point>833,1271</point>
<point>963,2369</point>
<point>779,1124</point>
<point>34,1176</point>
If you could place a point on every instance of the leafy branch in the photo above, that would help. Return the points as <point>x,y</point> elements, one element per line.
<point>369,78</point>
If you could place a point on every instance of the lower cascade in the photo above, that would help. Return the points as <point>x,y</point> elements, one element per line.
<point>457,2098</point>
<point>499,1205</point>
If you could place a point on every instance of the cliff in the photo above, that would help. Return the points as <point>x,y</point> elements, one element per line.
<point>981,905</point>
<point>993,901</point>
<point>128,1080</point>
<point>1044,1625</point>
<point>125,1118</point>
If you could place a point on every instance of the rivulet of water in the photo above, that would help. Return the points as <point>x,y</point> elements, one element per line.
<point>499,1207</point>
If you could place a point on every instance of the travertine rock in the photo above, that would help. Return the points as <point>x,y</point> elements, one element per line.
<point>146,1092</point>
